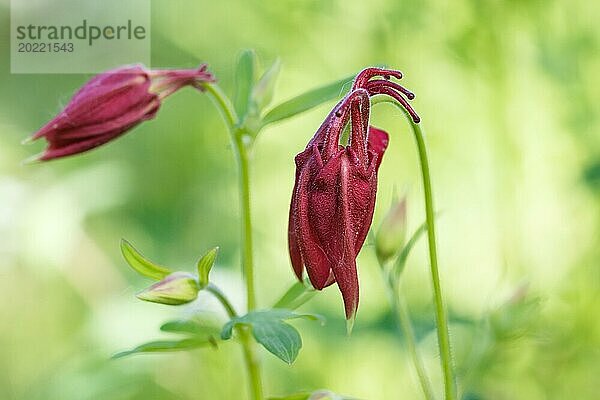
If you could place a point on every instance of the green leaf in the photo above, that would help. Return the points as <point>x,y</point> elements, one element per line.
<point>298,294</point>
<point>308,100</point>
<point>279,338</point>
<point>270,330</point>
<point>244,79</point>
<point>177,288</point>
<point>262,94</point>
<point>141,264</point>
<point>193,326</point>
<point>204,265</point>
<point>400,263</point>
<point>162,346</point>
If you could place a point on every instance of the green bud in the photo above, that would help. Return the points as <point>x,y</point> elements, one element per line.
<point>391,235</point>
<point>204,265</point>
<point>177,288</point>
<point>262,92</point>
<point>325,395</point>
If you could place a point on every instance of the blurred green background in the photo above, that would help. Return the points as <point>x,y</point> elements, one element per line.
<point>508,92</point>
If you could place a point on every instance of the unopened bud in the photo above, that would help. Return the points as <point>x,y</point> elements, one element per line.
<point>177,288</point>
<point>392,232</point>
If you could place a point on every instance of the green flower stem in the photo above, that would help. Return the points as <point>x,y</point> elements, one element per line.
<point>241,149</point>
<point>440,310</point>
<point>219,295</point>
<point>252,363</point>
<point>223,104</point>
<point>247,261</point>
<point>403,320</point>
<point>441,316</point>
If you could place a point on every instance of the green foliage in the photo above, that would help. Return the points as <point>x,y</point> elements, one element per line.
<point>263,91</point>
<point>307,100</point>
<point>194,326</point>
<point>298,294</point>
<point>252,96</point>
<point>204,266</point>
<point>199,332</point>
<point>400,263</point>
<point>141,264</point>
<point>591,175</point>
<point>244,82</point>
<point>502,332</point>
<point>270,330</point>
<point>173,288</point>
<point>163,346</point>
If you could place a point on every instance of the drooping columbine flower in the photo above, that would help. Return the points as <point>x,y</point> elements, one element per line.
<point>110,104</point>
<point>334,194</point>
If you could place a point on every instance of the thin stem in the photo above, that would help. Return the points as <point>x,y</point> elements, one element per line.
<point>252,364</point>
<point>440,310</point>
<point>223,104</point>
<point>219,295</point>
<point>441,316</point>
<point>244,190</point>
<point>241,154</point>
<point>403,319</point>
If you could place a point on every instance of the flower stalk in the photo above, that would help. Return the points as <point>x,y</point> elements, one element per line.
<point>441,316</point>
<point>241,150</point>
<point>403,319</point>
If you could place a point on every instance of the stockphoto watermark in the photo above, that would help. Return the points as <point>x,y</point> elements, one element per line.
<point>75,36</point>
<point>91,33</point>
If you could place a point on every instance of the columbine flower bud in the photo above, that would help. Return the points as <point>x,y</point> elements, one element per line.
<point>177,288</point>
<point>334,194</point>
<point>112,103</point>
<point>392,232</point>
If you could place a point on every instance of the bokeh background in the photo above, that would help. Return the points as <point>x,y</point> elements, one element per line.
<point>508,92</point>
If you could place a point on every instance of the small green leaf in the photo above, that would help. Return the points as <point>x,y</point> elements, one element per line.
<point>270,330</point>
<point>308,100</point>
<point>262,94</point>
<point>279,338</point>
<point>166,346</point>
<point>177,288</point>
<point>194,326</point>
<point>141,264</point>
<point>400,263</point>
<point>204,265</point>
<point>244,80</point>
<point>227,331</point>
<point>298,294</point>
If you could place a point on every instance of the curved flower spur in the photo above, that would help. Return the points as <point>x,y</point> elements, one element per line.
<point>112,103</point>
<point>334,193</point>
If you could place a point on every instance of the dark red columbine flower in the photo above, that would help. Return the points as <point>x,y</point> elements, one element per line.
<point>334,194</point>
<point>110,104</point>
